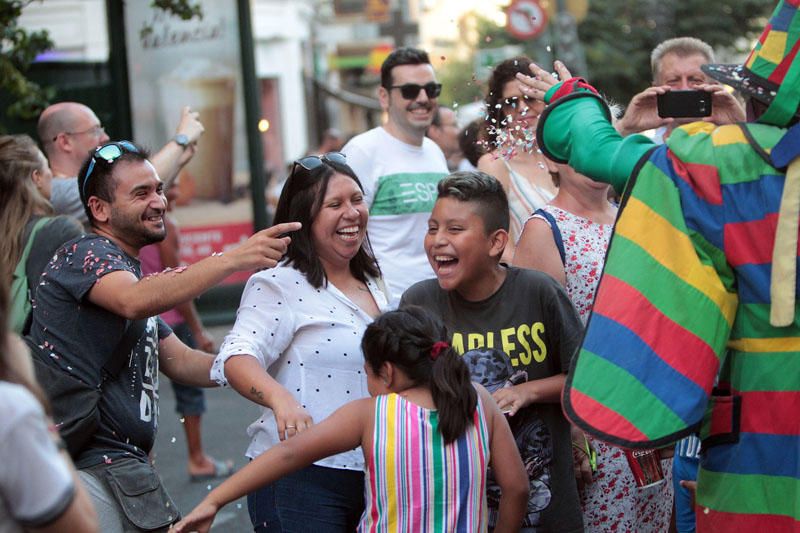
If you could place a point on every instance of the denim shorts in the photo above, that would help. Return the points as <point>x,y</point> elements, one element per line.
<point>316,498</point>
<point>189,400</point>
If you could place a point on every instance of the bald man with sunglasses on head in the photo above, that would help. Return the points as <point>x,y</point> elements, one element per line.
<point>70,131</point>
<point>96,319</point>
<point>400,167</point>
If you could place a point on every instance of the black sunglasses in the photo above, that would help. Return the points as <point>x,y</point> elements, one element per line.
<point>109,153</point>
<point>410,91</point>
<point>514,100</point>
<point>315,161</point>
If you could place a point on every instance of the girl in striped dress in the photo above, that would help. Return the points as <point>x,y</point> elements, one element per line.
<point>427,434</point>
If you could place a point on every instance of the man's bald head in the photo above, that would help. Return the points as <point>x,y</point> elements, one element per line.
<point>69,131</point>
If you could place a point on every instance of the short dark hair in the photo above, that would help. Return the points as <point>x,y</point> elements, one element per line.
<point>484,191</point>
<point>401,56</point>
<point>102,184</point>
<point>301,201</point>
<point>504,72</point>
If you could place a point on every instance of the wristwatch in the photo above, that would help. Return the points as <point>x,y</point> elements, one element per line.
<point>181,140</point>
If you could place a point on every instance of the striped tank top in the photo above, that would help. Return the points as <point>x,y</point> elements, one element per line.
<point>524,197</point>
<point>416,483</point>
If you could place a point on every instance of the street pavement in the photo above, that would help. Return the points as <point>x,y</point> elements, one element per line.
<point>224,437</point>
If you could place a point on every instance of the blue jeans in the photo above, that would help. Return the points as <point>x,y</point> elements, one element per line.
<point>684,468</point>
<point>316,498</point>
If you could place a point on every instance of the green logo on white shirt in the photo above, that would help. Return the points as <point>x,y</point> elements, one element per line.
<point>404,193</point>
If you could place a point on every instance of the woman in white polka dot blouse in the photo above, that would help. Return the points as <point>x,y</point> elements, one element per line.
<point>294,348</point>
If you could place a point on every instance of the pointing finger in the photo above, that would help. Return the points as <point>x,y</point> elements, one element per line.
<point>279,229</point>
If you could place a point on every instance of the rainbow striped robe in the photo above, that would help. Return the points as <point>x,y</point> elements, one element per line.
<point>416,483</point>
<point>684,299</point>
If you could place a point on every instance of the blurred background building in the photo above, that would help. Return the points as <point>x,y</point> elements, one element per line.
<point>305,66</point>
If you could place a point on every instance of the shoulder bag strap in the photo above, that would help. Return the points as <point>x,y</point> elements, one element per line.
<point>19,271</point>
<point>556,232</point>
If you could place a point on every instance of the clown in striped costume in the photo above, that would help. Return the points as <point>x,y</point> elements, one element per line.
<point>695,324</point>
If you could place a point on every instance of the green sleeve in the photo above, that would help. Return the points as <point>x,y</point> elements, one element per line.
<point>576,130</point>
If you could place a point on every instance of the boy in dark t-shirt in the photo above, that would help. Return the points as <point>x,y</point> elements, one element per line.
<point>517,330</point>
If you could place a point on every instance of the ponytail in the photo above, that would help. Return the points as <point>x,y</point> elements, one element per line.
<point>453,394</point>
<point>412,339</point>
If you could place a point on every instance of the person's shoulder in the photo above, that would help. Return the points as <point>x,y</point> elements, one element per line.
<point>65,225</point>
<point>282,275</point>
<point>493,165</point>
<point>66,186</point>
<point>363,141</point>
<point>17,402</point>
<point>430,147</point>
<point>93,241</point>
<point>530,280</point>
<point>422,290</point>
<point>96,254</point>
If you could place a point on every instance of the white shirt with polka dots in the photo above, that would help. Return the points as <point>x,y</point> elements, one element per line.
<point>309,340</point>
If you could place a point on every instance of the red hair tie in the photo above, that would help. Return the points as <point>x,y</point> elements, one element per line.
<point>437,348</point>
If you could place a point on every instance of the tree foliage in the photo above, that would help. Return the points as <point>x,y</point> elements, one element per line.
<point>19,48</point>
<point>618,35</point>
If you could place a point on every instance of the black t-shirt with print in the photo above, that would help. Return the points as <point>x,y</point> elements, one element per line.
<point>527,330</point>
<point>80,336</point>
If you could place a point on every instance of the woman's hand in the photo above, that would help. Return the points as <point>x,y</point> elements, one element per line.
<point>541,81</point>
<point>290,417</point>
<point>200,519</point>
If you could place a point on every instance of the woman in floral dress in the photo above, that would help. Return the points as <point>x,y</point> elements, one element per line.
<point>583,219</point>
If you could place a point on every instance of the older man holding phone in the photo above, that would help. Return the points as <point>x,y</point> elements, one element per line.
<point>681,92</point>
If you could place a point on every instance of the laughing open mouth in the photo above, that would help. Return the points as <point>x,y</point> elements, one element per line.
<point>349,233</point>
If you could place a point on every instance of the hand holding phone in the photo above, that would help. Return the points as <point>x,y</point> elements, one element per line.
<point>684,104</point>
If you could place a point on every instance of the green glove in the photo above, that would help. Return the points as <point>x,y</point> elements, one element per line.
<point>576,129</point>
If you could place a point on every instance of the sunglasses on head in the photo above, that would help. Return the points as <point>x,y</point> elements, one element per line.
<point>315,161</point>
<point>109,153</point>
<point>410,91</point>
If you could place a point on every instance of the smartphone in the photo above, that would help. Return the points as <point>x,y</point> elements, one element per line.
<point>681,104</point>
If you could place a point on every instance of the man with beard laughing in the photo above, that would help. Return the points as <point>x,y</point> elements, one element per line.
<point>400,167</point>
<point>92,309</point>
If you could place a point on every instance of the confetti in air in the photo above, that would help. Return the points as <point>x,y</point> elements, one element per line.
<point>512,135</point>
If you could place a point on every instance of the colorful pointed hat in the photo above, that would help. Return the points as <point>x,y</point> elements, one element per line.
<point>771,73</point>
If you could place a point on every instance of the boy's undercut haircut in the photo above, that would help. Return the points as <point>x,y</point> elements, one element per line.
<point>681,47</point>
<point>402,56</point>
<point>482,190</point>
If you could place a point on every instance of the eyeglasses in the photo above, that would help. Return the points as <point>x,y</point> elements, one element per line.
<point>96,131</point>
<point>410,91</point>
<point>315,161</point>
<point>109,153</point>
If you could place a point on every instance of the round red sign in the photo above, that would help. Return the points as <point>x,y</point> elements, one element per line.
<point>526,19</point>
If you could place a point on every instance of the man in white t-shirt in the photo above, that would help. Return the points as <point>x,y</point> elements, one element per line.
<point>400,168</point>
